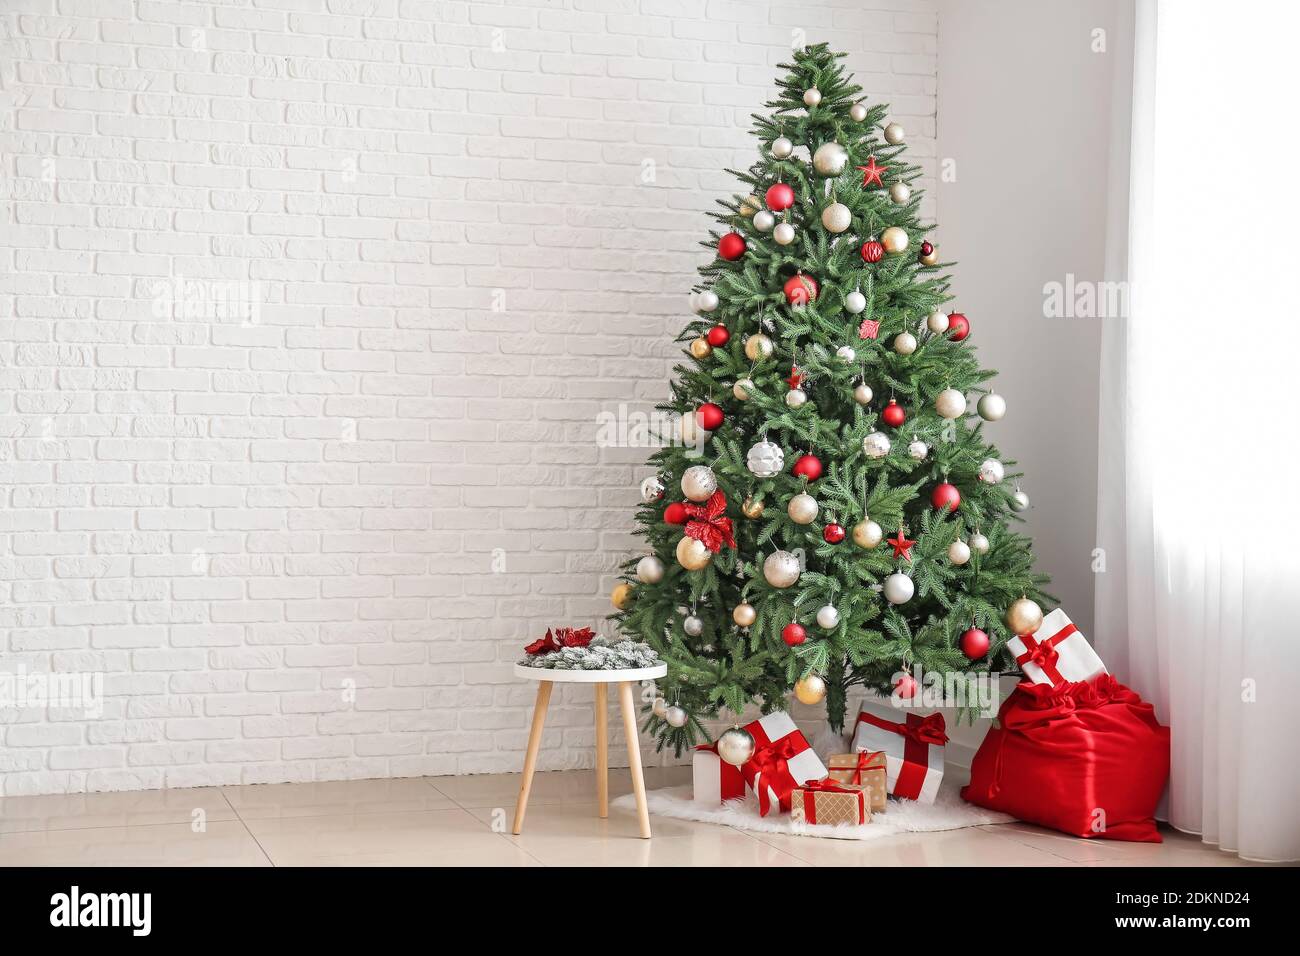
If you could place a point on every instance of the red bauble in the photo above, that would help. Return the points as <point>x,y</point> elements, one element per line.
<point>833,533</point>
<point>794,633</point>
<point>675,513</point>
<point>808,466</point>
<point>800,289</point>
<point>731,246</point>
<point>945,497</point>
<point>958,326</point>
<point>893,414</point>
<point>779,197</point>
<point>905,687</point>
<point>872,251</point>
<point>709,416</point>
<point>927,249</point>
<point>718,336</point>
<point>974,643</point>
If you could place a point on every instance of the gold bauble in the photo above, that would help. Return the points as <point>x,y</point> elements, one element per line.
<point>930,258</point>
<point>744,615</point>
<point>692,554</point>
<point>742,389</point>
<point>701,349</point>
<point>757,347</point>
<point>750,205</point>
<point>621,596</point>
<point>894,239</point>
<point>802,508</point>
<point>810,689</point>
<point>867,534</point>
<point>1024,617</point>
<point>752,508</point>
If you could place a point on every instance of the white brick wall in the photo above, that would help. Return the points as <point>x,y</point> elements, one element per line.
<point>383,477</point>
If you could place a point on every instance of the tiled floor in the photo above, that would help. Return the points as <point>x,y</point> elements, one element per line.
<point>466,820</point>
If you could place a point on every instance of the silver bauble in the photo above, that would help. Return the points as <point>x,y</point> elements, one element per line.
<point>1019,501</point>
<point>782,147</point>
<point>650,570</point>
<point>783,234</point>
<point>855,302</point>
<point>693,626</point>
<point>830,159</point>
<point>899,588</point>
<point>937,322</point>
<point>979,543</point>
<point>699,483</point>
<point>764,220</point>
<point>894,239</point>
<point>950,403</point>
<point>765,459</point>
<point>876,445</point>
<point>802,508</point>
<point>917,450</point>
<point>959,552</point>
<point>893,134</point>
<point>736,746</point>
<point>867,534</point>
<point>857,112</point>
<point>836,217</point>
<point>675,716</point>
<point>781,569</point>
<point>796,397</point>
<point>900,193</point>
<point>652,489</point>
<point>1024,617</point>
<point>706,301</point>
<point>991,407</point>
<point>991,471</point>
<point>742,389</point>
<point>659,708</point>
<point>862,393</point>
<point>905,343</point>
<point>812,97</point>
<point>828,616</point>
<point>845,353</point>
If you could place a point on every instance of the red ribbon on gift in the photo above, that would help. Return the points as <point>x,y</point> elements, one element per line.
<point>731,783</point>
<point>829,785</point>
<point>707,523</point>
<point>919,734</point>
<point>769,769</point>
<point>865,757</point>
<point>1043,654</point>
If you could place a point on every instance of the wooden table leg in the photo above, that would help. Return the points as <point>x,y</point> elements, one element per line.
<point>602,749</point>
<point>634,755</point>
<point>534,743</point>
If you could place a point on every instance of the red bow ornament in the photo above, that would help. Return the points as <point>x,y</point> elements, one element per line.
<point>708,524</point>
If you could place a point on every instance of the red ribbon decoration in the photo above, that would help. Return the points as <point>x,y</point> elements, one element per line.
<point>768,768</point>
<point>1043,654</point>
<point>707,523</point>
<point>563,637</point>
<point>732,782</point>
<point>918,734</point>
<point>829,785</point>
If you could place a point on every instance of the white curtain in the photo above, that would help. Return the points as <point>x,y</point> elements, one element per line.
<point>1198,607</point>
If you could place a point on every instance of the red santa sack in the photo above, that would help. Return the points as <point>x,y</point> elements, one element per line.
<point>1088,758</point>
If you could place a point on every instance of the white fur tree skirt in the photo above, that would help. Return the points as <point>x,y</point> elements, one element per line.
<point>948,812</point>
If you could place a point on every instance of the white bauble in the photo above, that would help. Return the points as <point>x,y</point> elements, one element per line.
<point>812,97</point>
<point>830,159</point>
<point>652,489</point>
<point>899,588</point>
<point>743,389</point>
<point>828,616</point>
<point>764,220</point>
<point>876,445</point>
<point>699,483</point>
<point>1019,501</point>
<point>836,217</point>
<point>706,301</point>
<point>959,552</point>
<point>979,543</point>
<point>693,626</point>
<point>855,302</point>
<point>917,450</point>
<point>660,708</point>
<point>736,746</point>
<point>783,234</point>
<point>894,239</point>
<point>991,470</point>
<point>950,403</point>
<point>796,397</point>
<point>765,459</point>
<point>782,147</point>
<point>845,353</point>
<point>802,508</point>
<point>905,343</point>
<point>650,570</point>
<point>867,534</point>
<point>900,193</point>
<point>937,322</point>
<point>857,112</point>
<point>675,716</point>
<point>862,394</point>
<point>781,569</point>
<point>893,134</point>
<point>991,407</point>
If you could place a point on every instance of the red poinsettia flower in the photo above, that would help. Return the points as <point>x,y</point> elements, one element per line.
<point>543,645</point>
<point>575,637</point>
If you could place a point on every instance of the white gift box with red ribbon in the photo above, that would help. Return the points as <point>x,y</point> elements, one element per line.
<point>713,780</point>
<point>1056,653</point>
<point>912,745</point>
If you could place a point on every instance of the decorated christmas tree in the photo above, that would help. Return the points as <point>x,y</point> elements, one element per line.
<point>829,513</point>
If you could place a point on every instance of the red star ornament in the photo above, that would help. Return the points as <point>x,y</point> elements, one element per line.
<point>871,173</point>
<point>901,545</point>
<point>796,377</point>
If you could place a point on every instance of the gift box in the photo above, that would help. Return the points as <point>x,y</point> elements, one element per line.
<point>913,748</point>
<point>713,779</point>
<point>865,769</point>
<point>830,802</point>
<point>782,761</point>
<point>1056,653</point>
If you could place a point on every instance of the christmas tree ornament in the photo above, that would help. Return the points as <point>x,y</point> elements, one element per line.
<point>833,533</point>
<point>693,554</point>
<point>828,617</point>
<point>836,218</point>
<point>867,534</point>
<point>812,97</point>
<point>905,343</point>
<point>1024,617</point>
<point>718,336</point>
<point>917,450</point>
<point>765,459</point>
<point>621,596</point>
<point>991,407</point>
<point>699,483</point>
<point>902,546</point>
<point>991,471</point>
<point>743,389</point>
<point>650,570</point>
<point>905,687</point>
<point>736,746</point>
<point>700,348</point>
<point>764,221</point>
<point>706,301</point>
<point>857,112</point>
<point>652,489</point>
<point>807,466</point>
<point>693,626</point>
<point>958,326</point>
<point>796,397</point>
<point>782,147</point>
<point>675,513</point>
<point>758,347</point>
<point>744,615</point>
<point>876,445</point>
<point>894,239</point>
<point>872,172</point>
<point>893,414</point>
<point>675,716</point>
<point>869,329</point>
<point>830,159</point>
<point>750,205</point>
<point>959,552</point>
<point>979,544</point>
<point>929,256</point>
<point>872,251</point>
<point>731,246</point>
<point>846,354</point>
<point>936,322</point>
<point>781,569</point>
<point>659,708</point>
<point>810,690</point>
<point>794,634</point>
<point>899,588</point>
<point>783,234</point>
<point>893,134</point>
<point>752,507</point>
<point>862,393</point>
<point>945,496</point>
<point>710,416</point>
<point>900,193</point>
<point>800,289</point>
<point>950,403</point>
<point>796,377</point>
<point>1019,501</point>
<point>780,197</point>
<point>855,302</point>
<point>974,643</point>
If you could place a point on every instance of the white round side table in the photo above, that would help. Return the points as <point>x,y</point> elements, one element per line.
<point>625,678</point>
